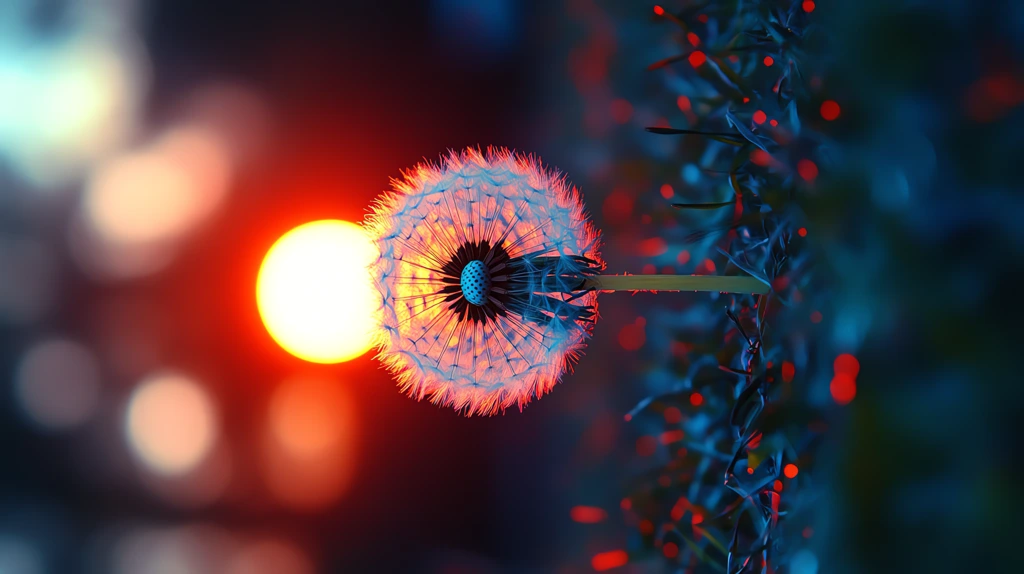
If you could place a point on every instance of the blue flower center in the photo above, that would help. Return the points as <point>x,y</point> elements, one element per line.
<point>476,282</point>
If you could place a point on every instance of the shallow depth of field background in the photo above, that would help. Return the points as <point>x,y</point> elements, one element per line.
<point>152,152</point>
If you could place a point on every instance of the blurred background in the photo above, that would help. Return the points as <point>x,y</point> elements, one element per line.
<point>152,153</point>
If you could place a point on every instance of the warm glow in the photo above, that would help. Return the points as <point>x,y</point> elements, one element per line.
<point>171,424</point>
<point>309,452</point>
<point>304,417</point>
<point>314,291</point>
<point>160,192</point>
<point>270,557</point>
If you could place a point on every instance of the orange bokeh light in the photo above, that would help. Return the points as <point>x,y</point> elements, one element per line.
<point>790,470</point>
<point>310,447</point>
<point>171,424</point>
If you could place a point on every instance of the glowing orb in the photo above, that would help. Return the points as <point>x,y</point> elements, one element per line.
<point>314,291</point>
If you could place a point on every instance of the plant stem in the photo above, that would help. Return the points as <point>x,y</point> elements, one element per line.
<point>711,283</point>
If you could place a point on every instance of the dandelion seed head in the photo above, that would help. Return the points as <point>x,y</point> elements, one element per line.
<point>481,270</point>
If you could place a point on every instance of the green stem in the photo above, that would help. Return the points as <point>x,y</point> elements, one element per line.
<point>710,283</point>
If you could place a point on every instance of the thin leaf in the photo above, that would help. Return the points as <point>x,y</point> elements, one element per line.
<point>726,138</point>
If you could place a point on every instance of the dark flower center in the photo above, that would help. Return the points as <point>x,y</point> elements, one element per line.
<point>483,282</point>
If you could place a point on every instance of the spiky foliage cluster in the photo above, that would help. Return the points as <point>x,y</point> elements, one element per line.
<point>479,259</point>
<point>727,410</point>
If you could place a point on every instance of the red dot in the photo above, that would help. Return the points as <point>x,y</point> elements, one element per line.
<point>774,123</point>
<point>672,436</point>
<point>816,317</point>
<point>702,18</point>
<point>697,519</point>
<point>671,550</point>
<point>802,232</point>
<point>750,470</point>
<point>768,60</point>
<point>632,337</point>
<point>746,100</point>
<point>684,103</point>
<point>618,206</point>
<point>843,388</point>
<point>808,6</point>
<point>652,247</point>
<point>759,157</point>
<point>626,504</point>
<point>808,532</point>
<point>697,58</point>
<point>709,265</point>
<point>659,10</point>
<point>760,117</point>
<point>683,257</point>
<point>608,560</point>
<point>649,269</point>
<point>829,110</point>
<point>621,110</point>
<point>788,371</point>
<point>673,415</point>
<point>646,527</point>
<point>646,445</point>
<point>777,485</point>
<point>696,399</point>
<point>790,470</point>
<point>807,169</point>
<point>667,192</point>
<point>693,38</point>
<point>587,514</point>
<point>848,364</point>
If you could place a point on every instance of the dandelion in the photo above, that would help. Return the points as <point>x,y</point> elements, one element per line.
<point>489,276</point>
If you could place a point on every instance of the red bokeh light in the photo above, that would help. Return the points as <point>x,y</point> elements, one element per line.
<point>587,514</point>
<point>760,157</point>
<point>646,445</point>
<point>790,470</point>
<point>848,364</point>
<point>829,110</point>
<point>621,110</point>
<point>608,560</point>
<point>697,58</point>
<point>843,388</point>
<point>673,415</point>
<point>807,169</point>
<point>788,371</point>
<point>652,247</point>
<point>617,207</point>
